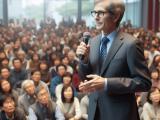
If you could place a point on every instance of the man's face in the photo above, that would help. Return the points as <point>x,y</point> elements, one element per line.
<point>61,70</point>
<point>103,19</point>
<point>17,64</point>
<point>9,105</point>
<point>30,88</point>
<point>43,97</point>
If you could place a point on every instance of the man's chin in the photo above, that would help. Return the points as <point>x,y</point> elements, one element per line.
<point>98,27</point>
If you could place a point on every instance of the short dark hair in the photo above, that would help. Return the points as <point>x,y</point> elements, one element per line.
<point>14,59</point>
<point>60,66</point>
<point>4,97</point>
<point>62,94</point>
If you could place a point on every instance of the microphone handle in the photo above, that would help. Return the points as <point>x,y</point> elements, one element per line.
<point>81,57</point>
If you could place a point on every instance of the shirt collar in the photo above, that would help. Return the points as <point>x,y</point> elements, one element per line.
<point>110,36</point>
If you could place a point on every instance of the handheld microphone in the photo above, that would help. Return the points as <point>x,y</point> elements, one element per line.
<point>86,37</point>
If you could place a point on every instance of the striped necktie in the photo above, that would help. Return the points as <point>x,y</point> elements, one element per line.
<point>103,49</point>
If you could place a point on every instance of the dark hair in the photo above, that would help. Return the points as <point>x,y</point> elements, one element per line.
<point>67,74</point>
<point>4,68</point>
<point>155,70</point>
<point>34,55</point>
<point>14,59</point>
<point>60,66</point>
<point>62,94</point>
<point>1,81</point>
<point>4,97</point>
<point>36,70</point>
<point>149,93</point>
<point>6,58</point>
<point>43,62</point>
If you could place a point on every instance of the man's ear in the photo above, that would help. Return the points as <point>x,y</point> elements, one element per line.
<point>116,17</point>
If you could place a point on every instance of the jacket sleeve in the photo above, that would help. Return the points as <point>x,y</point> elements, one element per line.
<point>139,80</point>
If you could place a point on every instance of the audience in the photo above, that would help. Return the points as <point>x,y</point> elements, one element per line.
<point>45,54</point>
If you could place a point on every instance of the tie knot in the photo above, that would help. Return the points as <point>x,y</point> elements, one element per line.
<point>105,39</point>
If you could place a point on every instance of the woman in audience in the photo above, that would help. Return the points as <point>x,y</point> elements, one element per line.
<point>34,62</point>
<point>67,81</point>
<point>155,77</point>
<point>151,109</point>
<point>65,61</point>
<point>45,75</point>
<point>4,62</point>
<point>6,88</point>
<point>69,105</point>
<point>155,62</point>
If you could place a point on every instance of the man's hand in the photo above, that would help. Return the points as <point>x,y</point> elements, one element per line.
<point>95,83</point>
<point>83,49</point>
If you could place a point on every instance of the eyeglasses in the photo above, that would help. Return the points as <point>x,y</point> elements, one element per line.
<point>98,13</point>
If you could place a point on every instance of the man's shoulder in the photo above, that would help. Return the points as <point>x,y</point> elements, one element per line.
<point>127,37</point>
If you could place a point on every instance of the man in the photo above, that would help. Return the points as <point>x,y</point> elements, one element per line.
<point>9,110</point>
<point>18,74</point>
<point>115,66</point>
<point>61,70</point>
<point>38,83</point>
<point>29,97</point>
<point>44,108</point>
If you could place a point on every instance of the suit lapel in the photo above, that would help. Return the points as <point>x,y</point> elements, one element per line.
<point>117,43</point>
<point>95,51</point>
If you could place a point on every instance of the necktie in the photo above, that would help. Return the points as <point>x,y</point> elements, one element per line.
<point>103,49</point>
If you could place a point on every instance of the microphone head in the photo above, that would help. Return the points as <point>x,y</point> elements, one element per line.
<point>86,37</point>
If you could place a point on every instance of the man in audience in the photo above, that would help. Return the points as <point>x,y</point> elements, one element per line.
<point>9,109</point>
<point>36,77</point>
<point>28,97</point>
<point>17,73</point>
<point>44,108</point>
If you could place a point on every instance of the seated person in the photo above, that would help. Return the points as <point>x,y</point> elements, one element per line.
<point>84,107</point>
<point>44,108</point>
<point>61,70</point>
<point>9,109</point>
<point>69,104</point>
<point>6,88</point>
<point>151,109</point>
<point>28,97</point>
<point>36,77</point>
<point>67,81</point>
